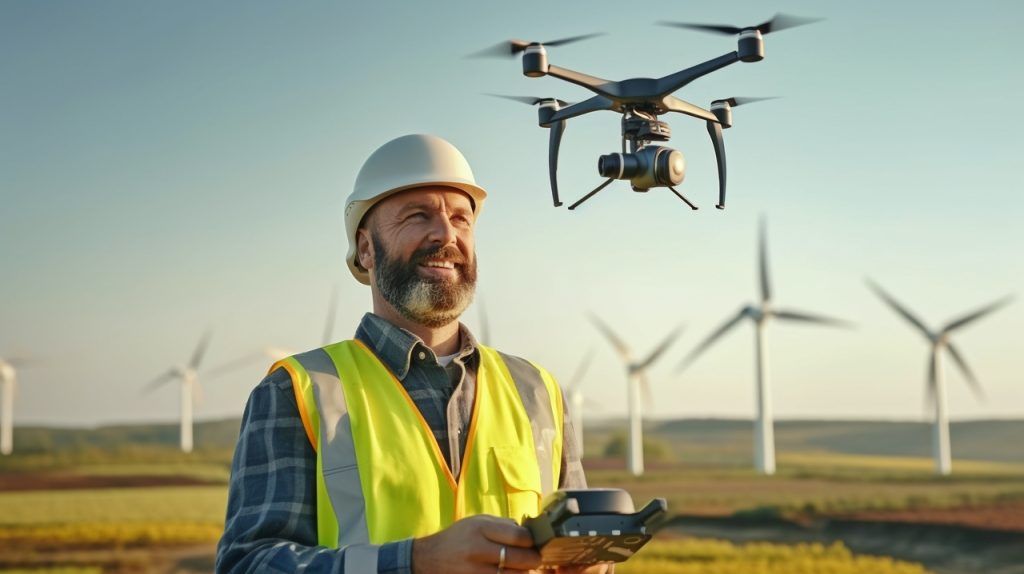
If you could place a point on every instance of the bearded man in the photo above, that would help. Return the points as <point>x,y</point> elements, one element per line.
<point>411,448</point>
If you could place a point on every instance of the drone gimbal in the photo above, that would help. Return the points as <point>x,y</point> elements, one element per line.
<point>641,101</point>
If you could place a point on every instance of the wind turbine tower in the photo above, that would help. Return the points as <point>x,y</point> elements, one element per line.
<point>935,391</point>
<point>636,382</point>
<point>574,392</point>
<point>761,314</point>
<point>189,377</point>
<point>8,376</point>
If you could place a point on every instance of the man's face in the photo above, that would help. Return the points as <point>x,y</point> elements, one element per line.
<point>418,247</point>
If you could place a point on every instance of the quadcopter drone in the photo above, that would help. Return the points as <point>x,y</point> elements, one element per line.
<point>641,101</point>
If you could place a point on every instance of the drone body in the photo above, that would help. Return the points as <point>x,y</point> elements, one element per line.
<point>641,101</point>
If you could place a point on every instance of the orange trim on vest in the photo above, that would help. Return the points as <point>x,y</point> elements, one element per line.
<point>299,401</point>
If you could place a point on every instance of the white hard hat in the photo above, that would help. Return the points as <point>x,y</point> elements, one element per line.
<point>404,163</point>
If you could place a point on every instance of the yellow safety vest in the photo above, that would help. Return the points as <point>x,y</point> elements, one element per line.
<point>381,476</point>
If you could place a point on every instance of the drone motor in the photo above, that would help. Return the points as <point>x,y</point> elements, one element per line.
<point>650,166</point>
<point>722,111</point>
<point>751,46</point>
<point>535,61</point>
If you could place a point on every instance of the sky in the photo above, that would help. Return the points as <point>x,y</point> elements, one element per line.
<point>172,167</point>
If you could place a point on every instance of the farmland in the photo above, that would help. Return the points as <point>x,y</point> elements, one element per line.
<point>127,506</point>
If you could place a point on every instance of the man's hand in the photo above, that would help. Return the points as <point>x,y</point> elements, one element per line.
<point>473,546</point>
<point>592,569</point>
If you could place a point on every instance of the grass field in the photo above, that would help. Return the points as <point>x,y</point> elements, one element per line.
<point>153,499</point>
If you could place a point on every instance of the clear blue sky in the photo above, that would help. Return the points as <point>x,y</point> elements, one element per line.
<point>169,166</point>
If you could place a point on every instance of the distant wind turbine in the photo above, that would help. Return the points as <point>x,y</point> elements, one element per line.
<point>761,314</point>
<point>574,391</point>
<point>485,325</point>
<point>935,392</point>
<point>189,377</point>
<point>277,353</point>
<point>636,381</point>
<point>8,386</point>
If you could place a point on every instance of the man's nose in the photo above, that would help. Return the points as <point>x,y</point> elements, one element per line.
<point>442,230</point>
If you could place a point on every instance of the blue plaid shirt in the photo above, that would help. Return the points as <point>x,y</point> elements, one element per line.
<point>271,521</point>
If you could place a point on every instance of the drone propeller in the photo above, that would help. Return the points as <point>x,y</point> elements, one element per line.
<point>740,101</point>
<point>513,47</point>
<point>530,100</point>
<point>779,22</point>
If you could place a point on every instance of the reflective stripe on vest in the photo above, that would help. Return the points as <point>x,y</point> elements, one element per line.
<point>355,410</point>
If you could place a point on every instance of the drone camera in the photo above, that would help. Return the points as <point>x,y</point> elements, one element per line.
<point>651,166</point>
<point>535,61</point>
<point>722,111</point>
<point>751,46</point>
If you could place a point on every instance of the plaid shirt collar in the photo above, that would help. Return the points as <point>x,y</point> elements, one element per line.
<point>394,346</point>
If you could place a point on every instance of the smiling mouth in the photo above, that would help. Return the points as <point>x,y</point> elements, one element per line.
<point>438,264</point>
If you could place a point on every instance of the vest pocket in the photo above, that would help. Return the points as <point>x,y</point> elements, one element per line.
<point>520,475</point>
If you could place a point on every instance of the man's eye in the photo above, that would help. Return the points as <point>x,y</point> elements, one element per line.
<point>417,215</point>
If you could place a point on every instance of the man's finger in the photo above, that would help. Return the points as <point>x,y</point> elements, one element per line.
<point>508,533</point>
<point>521,558</point>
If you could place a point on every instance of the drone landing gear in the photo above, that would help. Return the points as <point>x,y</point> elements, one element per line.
<point>592,193</point>
<point>680,196</point>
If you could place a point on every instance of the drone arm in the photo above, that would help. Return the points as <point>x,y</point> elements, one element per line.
<point>674,104</point>
<point>673,82</point>
<point>553,143</point>
<point>591,83</point>
<point>715,131</point>
<point>593,104</point>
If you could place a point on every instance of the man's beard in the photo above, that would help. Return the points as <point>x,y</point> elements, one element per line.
<point>431,302</point>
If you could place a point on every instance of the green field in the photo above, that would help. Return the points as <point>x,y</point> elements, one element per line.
<point>704,471</point>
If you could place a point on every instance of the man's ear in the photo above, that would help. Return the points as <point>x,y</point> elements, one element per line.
<point>364,248</point>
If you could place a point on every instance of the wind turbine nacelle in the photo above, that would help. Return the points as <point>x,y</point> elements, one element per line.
<point>651,166</point>
<point>751,46</point>
<point>545,110</point>
<point>722,111</point>
<point>535,61</point>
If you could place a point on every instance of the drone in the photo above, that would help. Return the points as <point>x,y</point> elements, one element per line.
<point>641,101</point>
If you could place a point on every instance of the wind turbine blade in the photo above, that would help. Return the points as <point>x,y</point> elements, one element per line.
<point>898,308</point>
<point>972,381</point>
<point>971,317</point>
<point>234,365</point>
<point>661,348</point>
<point>21,361</point>
<point>197,393</point>
<point>197,355</point>
<point>592,404</point>
<point>577,377</point>
<point>614,339</point>
<point>929,390</point>
<point>762,259</point>
<point>277,353</point>
<point>332,312</point>
<point>159,381</point>
<point>710,340</point>
<point>810,318</point>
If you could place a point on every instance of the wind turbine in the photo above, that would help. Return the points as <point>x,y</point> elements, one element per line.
<point>8,385</point>
<point>636,382</point>
<point>761,314</point>
<point>188,376</point>
<point>936,389</point>
<point>576,401</point>
<point>277,353</point>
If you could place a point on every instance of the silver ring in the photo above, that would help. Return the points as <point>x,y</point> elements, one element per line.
<point>501,559</point>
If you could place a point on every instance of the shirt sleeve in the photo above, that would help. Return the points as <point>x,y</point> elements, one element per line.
<point>271,523</point>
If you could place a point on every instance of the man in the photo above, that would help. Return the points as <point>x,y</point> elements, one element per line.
<point>410,448</point>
